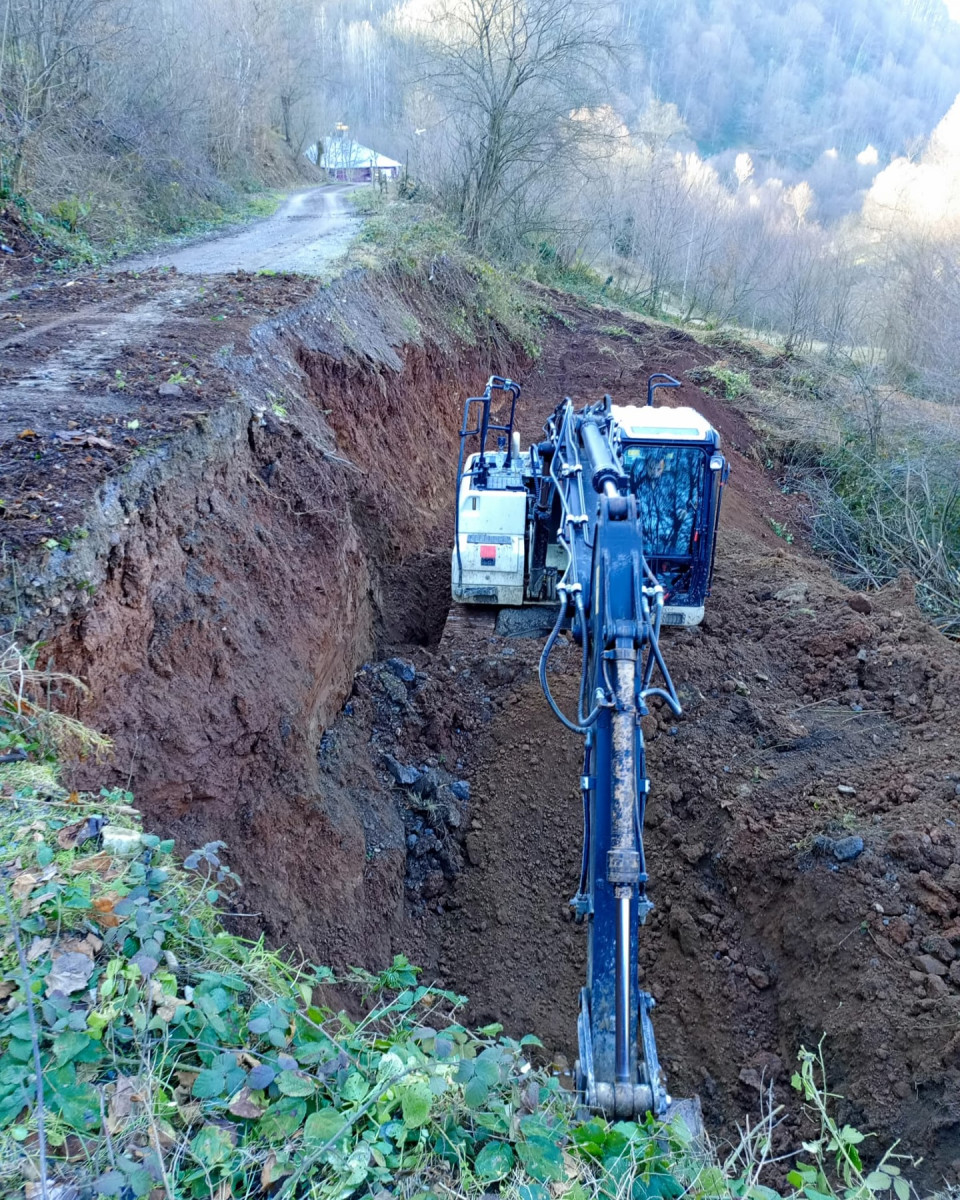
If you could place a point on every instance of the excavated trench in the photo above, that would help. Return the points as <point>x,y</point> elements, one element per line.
<point>268,646</point>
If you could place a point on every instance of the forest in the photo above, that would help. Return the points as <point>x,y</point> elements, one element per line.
<point>791,174</point>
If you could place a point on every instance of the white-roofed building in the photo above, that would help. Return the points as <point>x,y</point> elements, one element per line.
<point>345,159</point>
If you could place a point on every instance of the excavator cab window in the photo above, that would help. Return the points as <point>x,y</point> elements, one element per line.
<point>668,483</point>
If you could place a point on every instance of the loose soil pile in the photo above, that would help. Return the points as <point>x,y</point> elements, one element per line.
<point>803,840</point>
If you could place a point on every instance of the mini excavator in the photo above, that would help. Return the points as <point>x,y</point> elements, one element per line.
<point>611,521</point>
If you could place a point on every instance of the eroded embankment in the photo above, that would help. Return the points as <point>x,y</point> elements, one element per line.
<point>246,570</point>
<point>231,581</point>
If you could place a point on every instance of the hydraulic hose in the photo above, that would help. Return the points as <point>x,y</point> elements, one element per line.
<point>573,726</point>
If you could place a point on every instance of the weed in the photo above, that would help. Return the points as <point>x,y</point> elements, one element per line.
<point>618,331</point>
<point>560,318</point>
<point>781,531</point>
<point>368,201</point>
<point>734,383</point>
<point>277,405</point>
<point>119,380</point>
<point>837,1167</point>
<point>417,242</point>
<point>70,212</point>
<point>28,720</point>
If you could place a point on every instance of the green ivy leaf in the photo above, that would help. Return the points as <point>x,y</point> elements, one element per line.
<point>356,1088</point>
<point>77,1103</point>
<point>69,1044</point>
<point>475,1093</point>
<point>324,1126</point>
<point>282,1119</point>
<point>543,1160</point>
<point>487,1070</point>
<point>21,1051</point>
<point>212,1145</point>
<point>495,1161</point>
<point>210,1083</point>
<point>878,1181</point>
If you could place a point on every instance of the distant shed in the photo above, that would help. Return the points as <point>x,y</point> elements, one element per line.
<point>346,159</point>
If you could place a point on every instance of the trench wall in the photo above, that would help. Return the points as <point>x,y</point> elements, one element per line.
<point>245,570</point>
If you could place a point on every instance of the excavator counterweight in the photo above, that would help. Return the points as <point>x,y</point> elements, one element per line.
<point>608,525</point>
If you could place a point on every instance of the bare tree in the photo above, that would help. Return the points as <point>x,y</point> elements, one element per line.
<point>509,77</point>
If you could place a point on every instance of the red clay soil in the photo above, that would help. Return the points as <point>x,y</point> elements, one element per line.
<point>266,555</point>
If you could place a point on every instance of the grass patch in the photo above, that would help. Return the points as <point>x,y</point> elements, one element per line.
<point>421,244</point>
<point>618,331</point>
<point>732,383</point>
<point>67,244</point>
<point>368,201</point>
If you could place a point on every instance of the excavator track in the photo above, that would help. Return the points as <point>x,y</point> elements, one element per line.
<point>467,624</point>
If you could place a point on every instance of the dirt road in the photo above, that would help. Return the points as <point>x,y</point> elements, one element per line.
<point>311,230</point>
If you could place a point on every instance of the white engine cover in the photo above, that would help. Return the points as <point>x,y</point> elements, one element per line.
<point>492,525</point>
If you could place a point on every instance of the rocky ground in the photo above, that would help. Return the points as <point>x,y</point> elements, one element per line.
<point>388,784</point>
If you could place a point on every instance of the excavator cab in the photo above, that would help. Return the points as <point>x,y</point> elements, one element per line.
<point>672,459</point>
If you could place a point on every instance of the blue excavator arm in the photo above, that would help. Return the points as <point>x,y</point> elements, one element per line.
<point>612,604</point>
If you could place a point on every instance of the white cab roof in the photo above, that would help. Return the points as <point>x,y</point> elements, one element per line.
<point>650,422</point>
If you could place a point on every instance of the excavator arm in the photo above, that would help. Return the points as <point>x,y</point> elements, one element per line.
<point>613,606</point>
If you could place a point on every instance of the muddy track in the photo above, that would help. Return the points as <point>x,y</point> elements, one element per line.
<point>262,629</point>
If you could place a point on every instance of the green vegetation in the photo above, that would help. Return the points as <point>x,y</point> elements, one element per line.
<point>368,201</point>
<point>733,383</point>
<point>69,243</point>
<point>875,464</point>
<point>898,508</point>
<point>146,1051</point>
<point>618,331</point>
<point>487,301</point>
<point>781,531</point>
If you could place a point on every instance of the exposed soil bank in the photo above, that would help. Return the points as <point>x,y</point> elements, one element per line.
<point>229,583</point>
<point>243,570</point>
